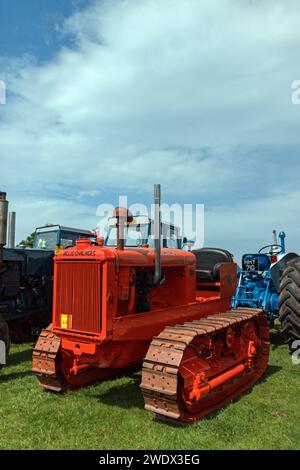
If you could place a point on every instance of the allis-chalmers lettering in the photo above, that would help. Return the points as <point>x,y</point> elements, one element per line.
<point>79,253</point>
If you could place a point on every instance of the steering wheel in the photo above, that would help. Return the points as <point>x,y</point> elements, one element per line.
<point>271,249</point>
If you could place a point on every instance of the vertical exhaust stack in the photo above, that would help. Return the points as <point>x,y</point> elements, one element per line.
<point>3,222</point>
<point>157,233</point>
<point>275,237</point>
<point>282,236</point>
<point>11,230</point>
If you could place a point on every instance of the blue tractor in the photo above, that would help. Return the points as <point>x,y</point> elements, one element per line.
<point>270,279</point>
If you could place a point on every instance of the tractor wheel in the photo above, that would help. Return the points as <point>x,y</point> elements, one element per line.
<point>289,302</point>
<point>4,335</point>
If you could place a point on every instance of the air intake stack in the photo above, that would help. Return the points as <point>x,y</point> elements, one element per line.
<point>3,222</point>
<point>11,237</point>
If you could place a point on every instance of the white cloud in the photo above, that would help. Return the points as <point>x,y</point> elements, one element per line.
<point>196,95</point>
<point>248,225</point>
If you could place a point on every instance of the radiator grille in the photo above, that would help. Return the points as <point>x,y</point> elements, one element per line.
<point>78,293</point>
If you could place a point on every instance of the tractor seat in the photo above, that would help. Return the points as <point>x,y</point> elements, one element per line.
<point>208,262</point>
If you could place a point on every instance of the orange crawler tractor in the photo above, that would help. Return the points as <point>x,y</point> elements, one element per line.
<point>118,307</point>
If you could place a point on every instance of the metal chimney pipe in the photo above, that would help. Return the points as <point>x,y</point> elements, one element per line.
<point>11,230</point>
<point>157,233</point>
<point>275,237</point>
<point>3,222</point>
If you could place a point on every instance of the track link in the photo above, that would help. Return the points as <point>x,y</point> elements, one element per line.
<point>186,361</point>
<point>52,366</point>
<point>45,361</point>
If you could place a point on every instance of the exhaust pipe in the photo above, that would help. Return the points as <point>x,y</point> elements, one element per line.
<point>157,233</point>
<point>11,230</point>
<point>3,222</point>
<point>275,237</point>
<point>282,236</point>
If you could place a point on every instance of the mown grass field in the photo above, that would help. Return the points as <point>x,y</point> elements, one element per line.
<point>111,415</point>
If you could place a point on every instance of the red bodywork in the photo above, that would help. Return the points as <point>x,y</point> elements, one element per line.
<point>99,296</point>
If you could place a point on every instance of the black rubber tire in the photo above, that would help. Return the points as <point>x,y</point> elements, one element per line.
<point>289,302</point>
<point>4,335</point>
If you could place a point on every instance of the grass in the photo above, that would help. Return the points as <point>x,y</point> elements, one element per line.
<point>110,415</point>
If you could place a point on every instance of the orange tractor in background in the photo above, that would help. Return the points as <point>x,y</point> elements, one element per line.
<point>119,307</point>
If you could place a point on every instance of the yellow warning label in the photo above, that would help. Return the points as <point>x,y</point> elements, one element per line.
<point>65,321</point>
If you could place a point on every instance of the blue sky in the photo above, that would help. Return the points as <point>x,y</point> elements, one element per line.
<point>34,27</point>
<point>112,96</point>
